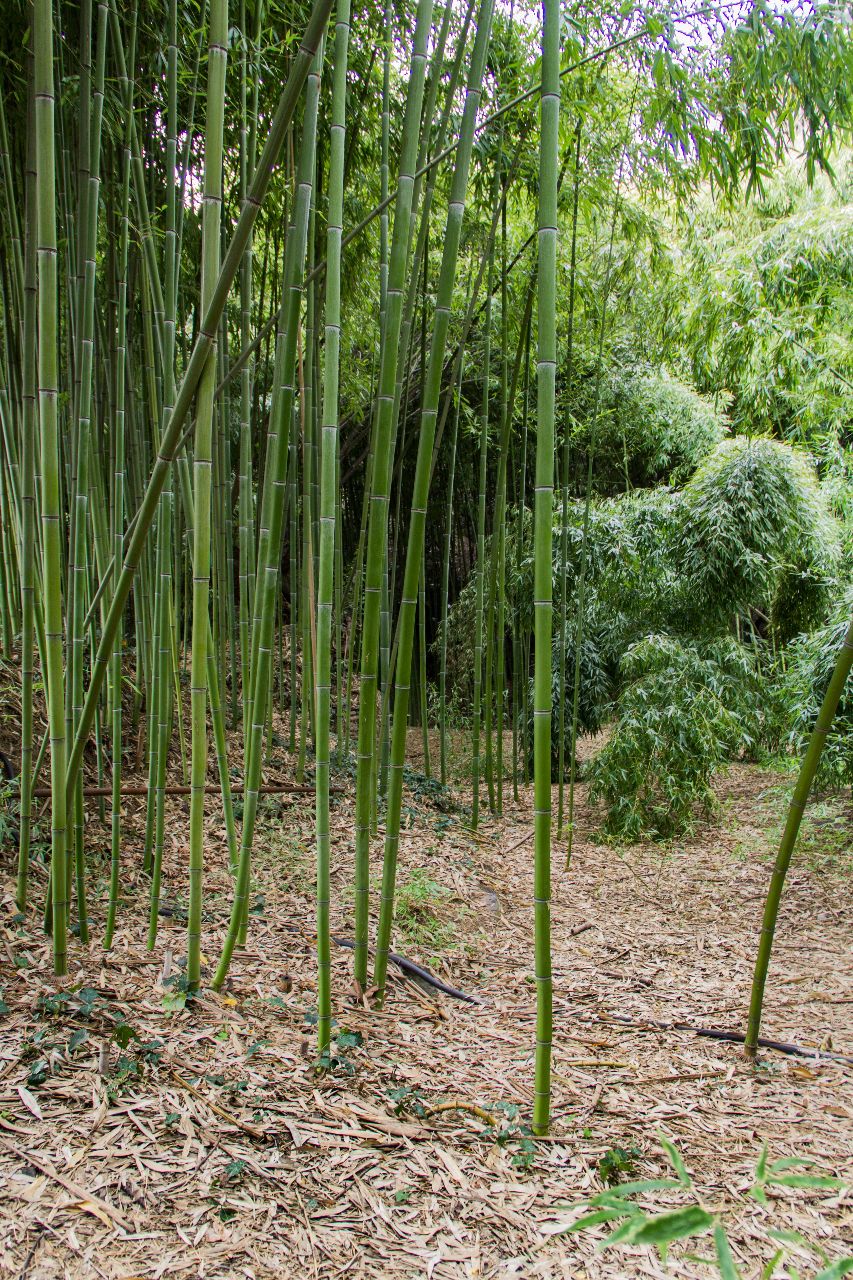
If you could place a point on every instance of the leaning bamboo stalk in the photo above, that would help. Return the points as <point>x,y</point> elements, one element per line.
<point>272,515</point>
<point>564,482</point>
<point>380,490</point>
<point>805,778</point>
<point>28,502</point>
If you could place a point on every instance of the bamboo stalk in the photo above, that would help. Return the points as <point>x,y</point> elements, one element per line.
<point>546,372</point>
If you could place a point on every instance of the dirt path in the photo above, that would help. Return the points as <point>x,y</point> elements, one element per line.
<point>208,1146</point>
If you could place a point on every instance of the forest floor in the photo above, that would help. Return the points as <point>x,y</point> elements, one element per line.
<point>203,1141</point>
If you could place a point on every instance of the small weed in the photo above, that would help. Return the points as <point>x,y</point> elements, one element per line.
<point>636,1225</point>
<point>617,1164</point>
<point>334,1059</point>
<point>407,1101</point>
<point>429,790</point>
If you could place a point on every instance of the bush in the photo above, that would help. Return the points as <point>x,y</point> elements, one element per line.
<point>682,713</point>
<point>650,429</point>
<point>757,535</point>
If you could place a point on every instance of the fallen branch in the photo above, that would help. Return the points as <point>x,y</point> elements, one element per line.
<point>732,1037</point>
<point>269,789</point>
<point>458,1105</point>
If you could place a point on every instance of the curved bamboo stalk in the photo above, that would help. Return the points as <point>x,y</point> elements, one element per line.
<point>805,778</point>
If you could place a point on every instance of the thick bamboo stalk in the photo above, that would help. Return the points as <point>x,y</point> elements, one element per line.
<point>202,474</point>
<point>48,394</point>
<point>546,373</point>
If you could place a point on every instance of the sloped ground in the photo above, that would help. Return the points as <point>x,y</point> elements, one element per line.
<point>209,1146</point>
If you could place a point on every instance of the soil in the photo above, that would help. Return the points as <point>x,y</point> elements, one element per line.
<point>204,1141</point>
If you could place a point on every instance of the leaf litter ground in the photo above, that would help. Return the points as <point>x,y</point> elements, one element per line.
<point>144,1137</point>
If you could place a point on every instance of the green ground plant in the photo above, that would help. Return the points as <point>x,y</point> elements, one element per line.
<point>641,1221</point>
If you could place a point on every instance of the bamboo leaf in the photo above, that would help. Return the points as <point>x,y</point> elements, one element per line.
<point>725,1257</point>
<point>675,1160</point>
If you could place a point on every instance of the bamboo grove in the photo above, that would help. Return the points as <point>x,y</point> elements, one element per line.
<point>289,300</point>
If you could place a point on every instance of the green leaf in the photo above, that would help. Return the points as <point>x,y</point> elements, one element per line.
<point>600,1215</point>
<point>814,1181</point>
<point>675,1160</point>
<point>79,1037</point>
<point>767,1272</point>
<point>677,1224</point>
<point>796,1237</point>
<point>634,1188</point>
<point>350,1039</point>
<point>123,1034</point>
<point>38,1072</point>
<point>761,1167</point>
<point>842,1267</point>
<point>725,1257</point>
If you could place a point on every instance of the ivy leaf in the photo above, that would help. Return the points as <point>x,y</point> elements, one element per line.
<point>350,1039</point>
<point>79,1037</point>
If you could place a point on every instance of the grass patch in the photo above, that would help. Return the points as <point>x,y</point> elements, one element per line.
<point>418,897</point>
<point>825,840</point>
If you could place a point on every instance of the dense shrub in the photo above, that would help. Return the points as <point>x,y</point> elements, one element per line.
<point>649,429</point>
<point>682,712</point>
<point>757,535</point>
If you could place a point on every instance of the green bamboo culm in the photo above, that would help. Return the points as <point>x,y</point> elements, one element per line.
<point>272,514</point>
<point>546,375</point>
<point>172,436</point>
<point>420,489</point>
<point>28,508</point>
<point>202,475</point>
<point>48,395</point>
<point>377,530</point>
<point>328,473</point>
<point>805,778</point>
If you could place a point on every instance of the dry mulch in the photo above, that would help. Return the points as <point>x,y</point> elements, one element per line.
<point>210,1146</point>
